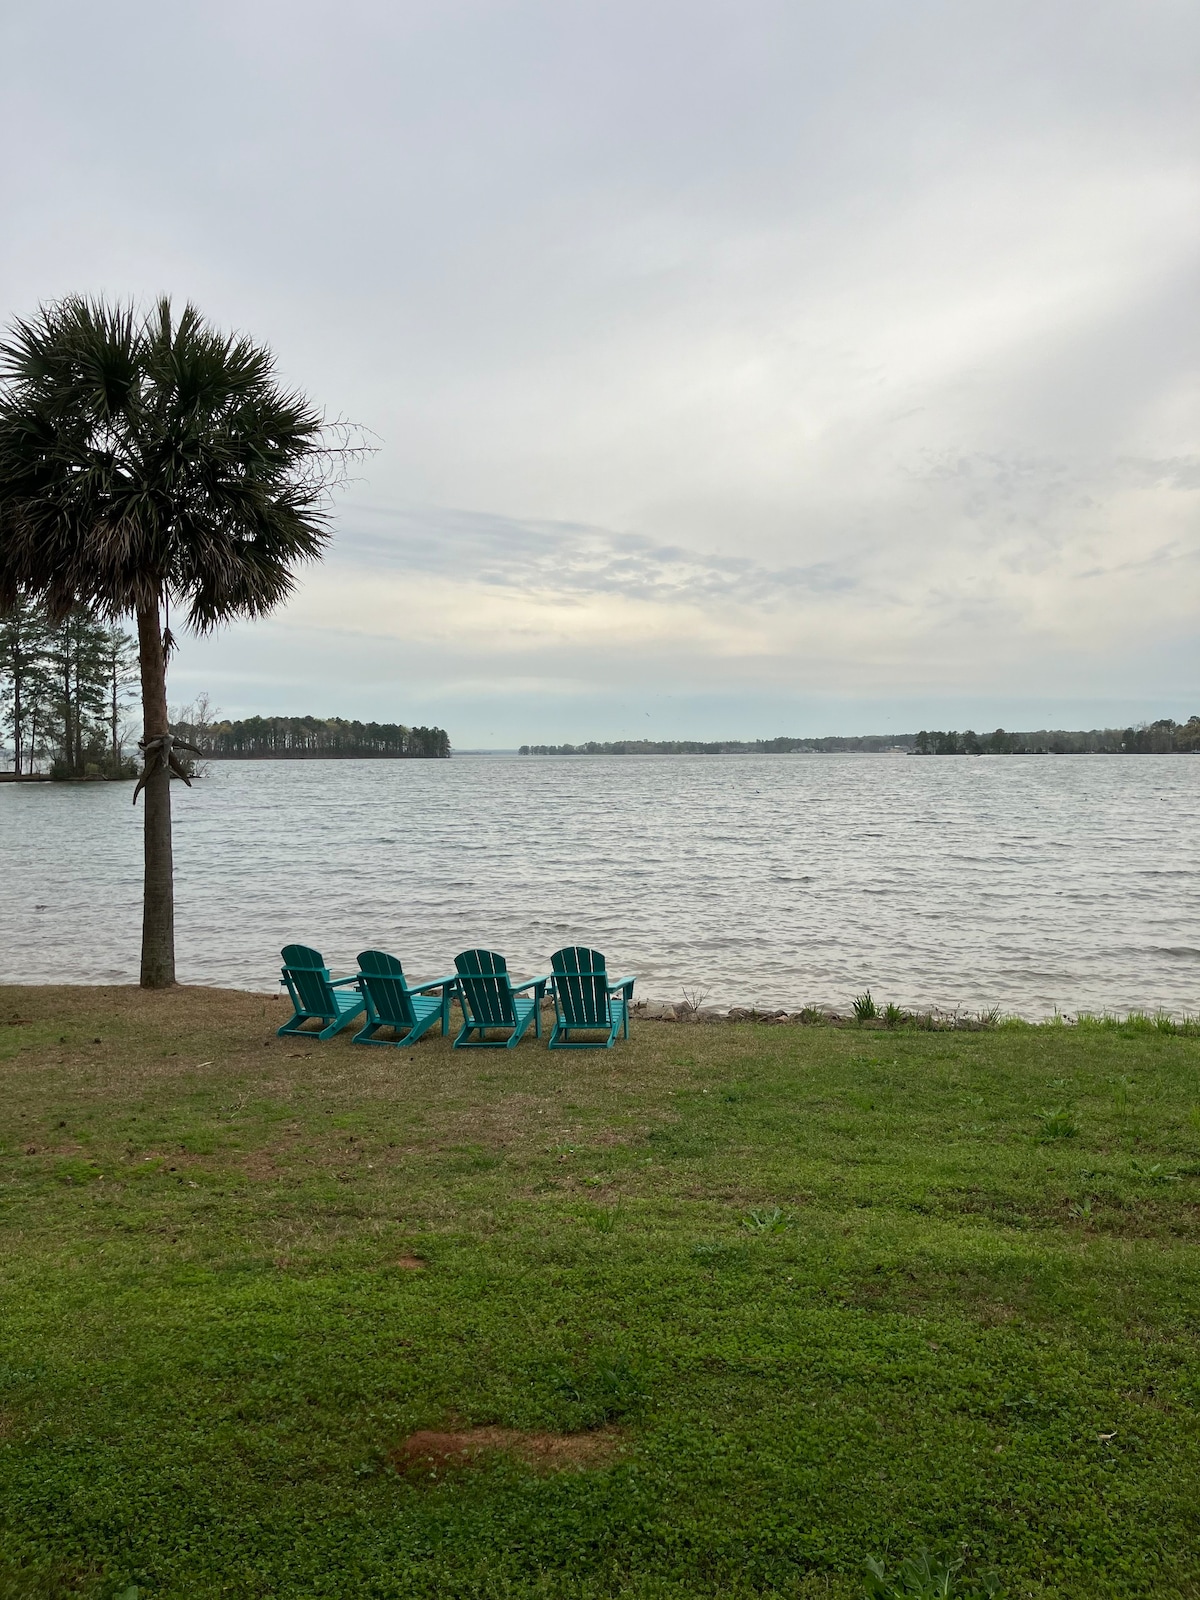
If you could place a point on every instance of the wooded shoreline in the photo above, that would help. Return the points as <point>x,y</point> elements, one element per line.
<point>322,755</point>
<point>1164,737</point>
<point>298,738</point>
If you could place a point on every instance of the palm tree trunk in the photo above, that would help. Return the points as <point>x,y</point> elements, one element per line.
<point>158,903</point>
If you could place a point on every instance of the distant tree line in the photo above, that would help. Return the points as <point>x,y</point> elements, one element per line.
<point>297,738</point>
<point>64,693</point>
<point>715,747</point>
<point>1148,738</point>
<point>1159,738</point>
<point>65,700</point>
<point>1153,738</point>
<point>1000,743</point>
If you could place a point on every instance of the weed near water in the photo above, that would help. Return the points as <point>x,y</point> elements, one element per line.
<point>812,1294</point>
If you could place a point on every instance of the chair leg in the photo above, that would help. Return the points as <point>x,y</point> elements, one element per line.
<point>560,1038</point>
<point>420,1030</point>
<point>522,1028</point>
<point>342,1020</point>
<point>463,1042</point>
<point>294,1025</point>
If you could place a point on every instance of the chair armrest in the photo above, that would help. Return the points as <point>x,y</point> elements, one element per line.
<point>530,983</point>
<point>623,983</point>
<point>434,983</point>
<point>340,983</point>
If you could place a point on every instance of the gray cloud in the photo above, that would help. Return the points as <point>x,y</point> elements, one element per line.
<point>872,321</point>
<point>570,559</point>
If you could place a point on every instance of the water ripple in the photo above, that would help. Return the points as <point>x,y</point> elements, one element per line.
<point>1034,884</point>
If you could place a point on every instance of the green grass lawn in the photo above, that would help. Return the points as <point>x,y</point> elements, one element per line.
<point>806,1295</point>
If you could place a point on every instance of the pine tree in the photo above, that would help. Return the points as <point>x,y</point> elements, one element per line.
<point>119,656</point>
<point>76,656</point>
<point>23,679</point>
<point>64,684</point>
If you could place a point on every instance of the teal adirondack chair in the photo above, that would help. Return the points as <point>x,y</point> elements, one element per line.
<point>391,1003</point>
<point>491,1001</point>
<point>315,995</point>
<point>586,1001</point>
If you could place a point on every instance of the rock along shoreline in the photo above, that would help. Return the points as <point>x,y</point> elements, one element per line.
<point>933,1019</point>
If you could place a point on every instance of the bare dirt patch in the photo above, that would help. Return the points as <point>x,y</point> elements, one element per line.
<point>259,1165</point>
<point>411,1264</point>
<point>428,1454</point>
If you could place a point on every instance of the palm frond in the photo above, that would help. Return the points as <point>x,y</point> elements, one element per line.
<point>152,454</point>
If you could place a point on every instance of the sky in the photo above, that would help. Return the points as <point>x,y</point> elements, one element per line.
<point>734,369</point>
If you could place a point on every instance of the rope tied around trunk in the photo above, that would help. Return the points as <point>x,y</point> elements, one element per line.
<point>160,752</point>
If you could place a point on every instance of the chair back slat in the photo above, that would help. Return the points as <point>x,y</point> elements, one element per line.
<point>581,984</point>
<point>382,977</point>
<point>487,995</point>
<point>307,976</point>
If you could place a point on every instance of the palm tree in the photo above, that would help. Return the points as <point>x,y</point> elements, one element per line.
<point>147,460</point>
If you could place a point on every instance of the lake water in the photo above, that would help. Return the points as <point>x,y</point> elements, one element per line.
<point>1034,883</point>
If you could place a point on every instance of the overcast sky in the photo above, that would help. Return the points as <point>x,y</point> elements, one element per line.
<point>737,368</point>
